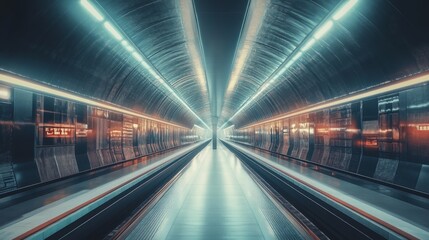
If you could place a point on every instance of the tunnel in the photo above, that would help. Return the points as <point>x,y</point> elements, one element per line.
<point>214,119</point>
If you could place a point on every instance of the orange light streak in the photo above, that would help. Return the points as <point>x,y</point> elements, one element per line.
<point>386,88</point>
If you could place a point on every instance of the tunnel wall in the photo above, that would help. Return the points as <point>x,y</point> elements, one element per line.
<point>384,137</point>
<point>44,138</point>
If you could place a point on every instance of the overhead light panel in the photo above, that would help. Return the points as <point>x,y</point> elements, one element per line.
<point>323,30</point>
<point>91,9</point>
<point>137,56</point>
<point>196,126</point>
<point>289,64</point>
<point>298,55</point>
<point>343,10</point>
<point>309,44</point>
<point>125,43</point>
<point>127,46</point>
<point>112,30</point>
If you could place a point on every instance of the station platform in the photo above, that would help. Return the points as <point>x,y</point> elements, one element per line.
<point>41,210</point>
<point>215,198</point>
<point>378,206</point>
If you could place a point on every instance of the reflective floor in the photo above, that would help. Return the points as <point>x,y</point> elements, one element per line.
<point>403,210</point>
<point>215,198</point>
<point>36,207</point>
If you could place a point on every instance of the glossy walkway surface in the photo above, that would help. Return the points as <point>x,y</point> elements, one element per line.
<point>20,215</point>
<point>403,210</point>
<point>215,198</point>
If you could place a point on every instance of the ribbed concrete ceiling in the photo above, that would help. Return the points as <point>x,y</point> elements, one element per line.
<point>167,34</point>
<point>377,41</point>
<point>59,43</point>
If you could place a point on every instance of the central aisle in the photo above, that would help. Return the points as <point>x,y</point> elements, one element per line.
<point>215,198</point>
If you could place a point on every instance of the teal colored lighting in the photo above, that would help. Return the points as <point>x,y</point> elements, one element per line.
<point>112,30</point>
<point>91,9</point>
<point>324,29</point>
<point>319,32</point>
<point>343,10</point>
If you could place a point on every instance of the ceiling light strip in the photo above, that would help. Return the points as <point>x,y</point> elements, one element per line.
<point>94,12</point>
<point>308,42</point>
<point>196,126</point>
<point>384,89</point>
<point>135,53</point>
<point>16,81</point>
<point>254,16</point>
<point>193,41</point>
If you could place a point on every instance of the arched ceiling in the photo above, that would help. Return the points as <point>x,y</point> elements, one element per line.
<point>60,43</point>
<point>242,44</point>
<point>377,41</point>
<point>220,23</point>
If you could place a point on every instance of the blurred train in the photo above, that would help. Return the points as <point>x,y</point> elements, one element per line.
<point>43,138</point>
<point>384,138</point>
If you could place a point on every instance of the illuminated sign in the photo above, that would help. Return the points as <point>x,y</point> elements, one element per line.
<point>100,113</point>
<point>371,142</point>
<point>116,133</point>
<point>81,130</point>
<point>322,130</point>
<point>58,132</point>
<point>423,127</point>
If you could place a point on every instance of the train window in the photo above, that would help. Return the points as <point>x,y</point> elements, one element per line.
<point>23,106</point>
<point>5,103</point>
<point>81,113</point>
<point>5,94</point>
<point>370,110</point>
<point>5,112</point>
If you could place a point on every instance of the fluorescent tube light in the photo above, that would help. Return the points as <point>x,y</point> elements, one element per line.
<point>91,9</point>
<point>298,55</point>
<point>137,56</point>
<point>112,30</point>
<point>309,44</point>
<point>289,64</point>
<point>125,43</point>
<point>343,10</point>
<point>324,29</point>
<point>127,46</point>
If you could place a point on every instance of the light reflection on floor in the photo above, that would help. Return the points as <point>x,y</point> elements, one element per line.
<point>215,198</point>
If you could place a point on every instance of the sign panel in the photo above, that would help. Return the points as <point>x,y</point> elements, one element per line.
<point>81,130</point>
<point>424,127</point>
<point>57,132</point>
